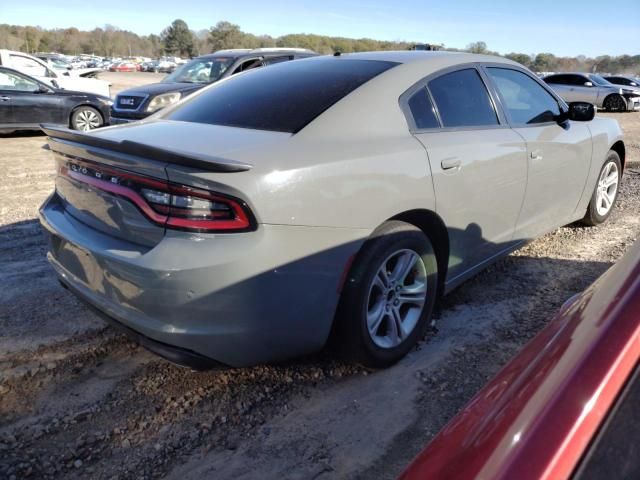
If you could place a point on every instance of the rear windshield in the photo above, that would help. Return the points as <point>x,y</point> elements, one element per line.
<point>281,98</point>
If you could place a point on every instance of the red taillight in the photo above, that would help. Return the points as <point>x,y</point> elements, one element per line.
<point>175,206</point>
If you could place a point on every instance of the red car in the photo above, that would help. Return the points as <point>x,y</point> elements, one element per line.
<point>567,406</point>
<point>124,67</point>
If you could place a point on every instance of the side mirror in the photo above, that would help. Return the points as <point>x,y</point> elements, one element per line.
<point>581,111</point>
<point>588,84</point>
<point>42,89</point>
<point>633,84</point>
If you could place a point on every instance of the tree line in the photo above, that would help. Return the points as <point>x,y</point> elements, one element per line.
<point>178,39</point>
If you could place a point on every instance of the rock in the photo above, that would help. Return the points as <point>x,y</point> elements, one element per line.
<point>77,463</point>
<point>126,443</point>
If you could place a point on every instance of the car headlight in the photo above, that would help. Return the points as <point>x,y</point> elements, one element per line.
<point>106,101</point>
<point>161,101</point>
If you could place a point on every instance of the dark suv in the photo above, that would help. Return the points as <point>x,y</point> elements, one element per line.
<point>140,102</point>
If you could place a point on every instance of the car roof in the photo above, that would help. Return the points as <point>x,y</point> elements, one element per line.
<point>241,52</point>
<point>426,57</point>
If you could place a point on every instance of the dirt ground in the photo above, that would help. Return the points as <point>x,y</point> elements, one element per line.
<point>79,401</point>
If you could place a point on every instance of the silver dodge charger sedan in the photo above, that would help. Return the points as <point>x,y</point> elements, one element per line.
<point>331,198</point>
<point>592,88</point>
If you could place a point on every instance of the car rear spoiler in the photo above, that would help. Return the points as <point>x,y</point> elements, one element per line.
<point>199,161</point>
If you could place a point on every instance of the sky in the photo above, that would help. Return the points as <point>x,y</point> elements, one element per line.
<point>564,28</point>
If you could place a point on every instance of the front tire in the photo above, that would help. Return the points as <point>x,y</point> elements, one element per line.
<point>606,191</point>
<point>388,298</point>
<point>615,103</point>
<point>86,118</point>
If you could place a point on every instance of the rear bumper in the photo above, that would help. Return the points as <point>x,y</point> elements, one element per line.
<point>238,299</point>
<point>177,355</point>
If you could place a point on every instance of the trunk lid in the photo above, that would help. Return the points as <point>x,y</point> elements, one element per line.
<point>92,168</point>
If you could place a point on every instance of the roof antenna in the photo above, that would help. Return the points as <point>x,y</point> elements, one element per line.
<point>337,54</point>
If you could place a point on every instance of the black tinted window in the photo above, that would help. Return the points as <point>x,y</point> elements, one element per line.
<point>525,100</point>
<point>283,98</point>
<point>462,100</point>
<point>558,79</point>
<point>422,110</point>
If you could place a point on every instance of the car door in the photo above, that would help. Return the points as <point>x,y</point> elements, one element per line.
<point>6,85</point>
<point>559,155</point>
<point>582,89</point>
<point>561,84</point>
<point>31,102</point>
<point>478,164</point>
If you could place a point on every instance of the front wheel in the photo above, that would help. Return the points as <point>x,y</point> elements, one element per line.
<point>606,191</point>
<point>85,119</point>
<point>615,103</point>
<point>388,297</point>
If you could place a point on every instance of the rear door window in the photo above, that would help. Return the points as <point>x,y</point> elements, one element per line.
<point>282,98</point>
<point>462,99</point>
<point>422,110</point>
<point>525,100</point>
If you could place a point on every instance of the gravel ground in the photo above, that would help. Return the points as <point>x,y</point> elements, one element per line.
<point>79,401</point>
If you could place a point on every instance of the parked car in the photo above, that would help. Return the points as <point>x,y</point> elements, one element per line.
<point>150,66</point>
<point>64,67</point>
<point>124,67</point>
<point>38,69</point>
<point>140,102</point>
<point>630,83</point>
<point>592,88</point>
<point>239,223</point>
<point>165,66</point>
<point>25,103</point>
<point>566,406</point>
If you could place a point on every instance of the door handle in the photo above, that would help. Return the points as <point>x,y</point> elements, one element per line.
<point>449,163</point>
<point>535,155</point>
<point>4,98</point>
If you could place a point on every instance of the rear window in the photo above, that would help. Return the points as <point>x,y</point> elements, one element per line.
<point>282,98</point>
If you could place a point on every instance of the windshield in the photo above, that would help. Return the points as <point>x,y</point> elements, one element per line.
<point>598,80</point>
<point>200,71</point>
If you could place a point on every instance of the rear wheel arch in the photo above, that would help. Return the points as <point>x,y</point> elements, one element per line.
<point>619,148</point>
<point>434,228</point>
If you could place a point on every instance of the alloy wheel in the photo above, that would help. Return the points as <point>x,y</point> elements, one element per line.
<point>617,104</point>
<point>607,188</point>
<point>87,120</point>
<point>396,298</point>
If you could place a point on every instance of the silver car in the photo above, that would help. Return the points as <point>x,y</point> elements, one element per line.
<point>628,83</point>
<point>332,197</point>
<point>592,88</point>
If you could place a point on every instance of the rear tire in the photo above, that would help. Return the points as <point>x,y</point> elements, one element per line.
<point>605,192</point>
<point>388,298</point>
<point>615,103</point>
<point>86,118</point>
